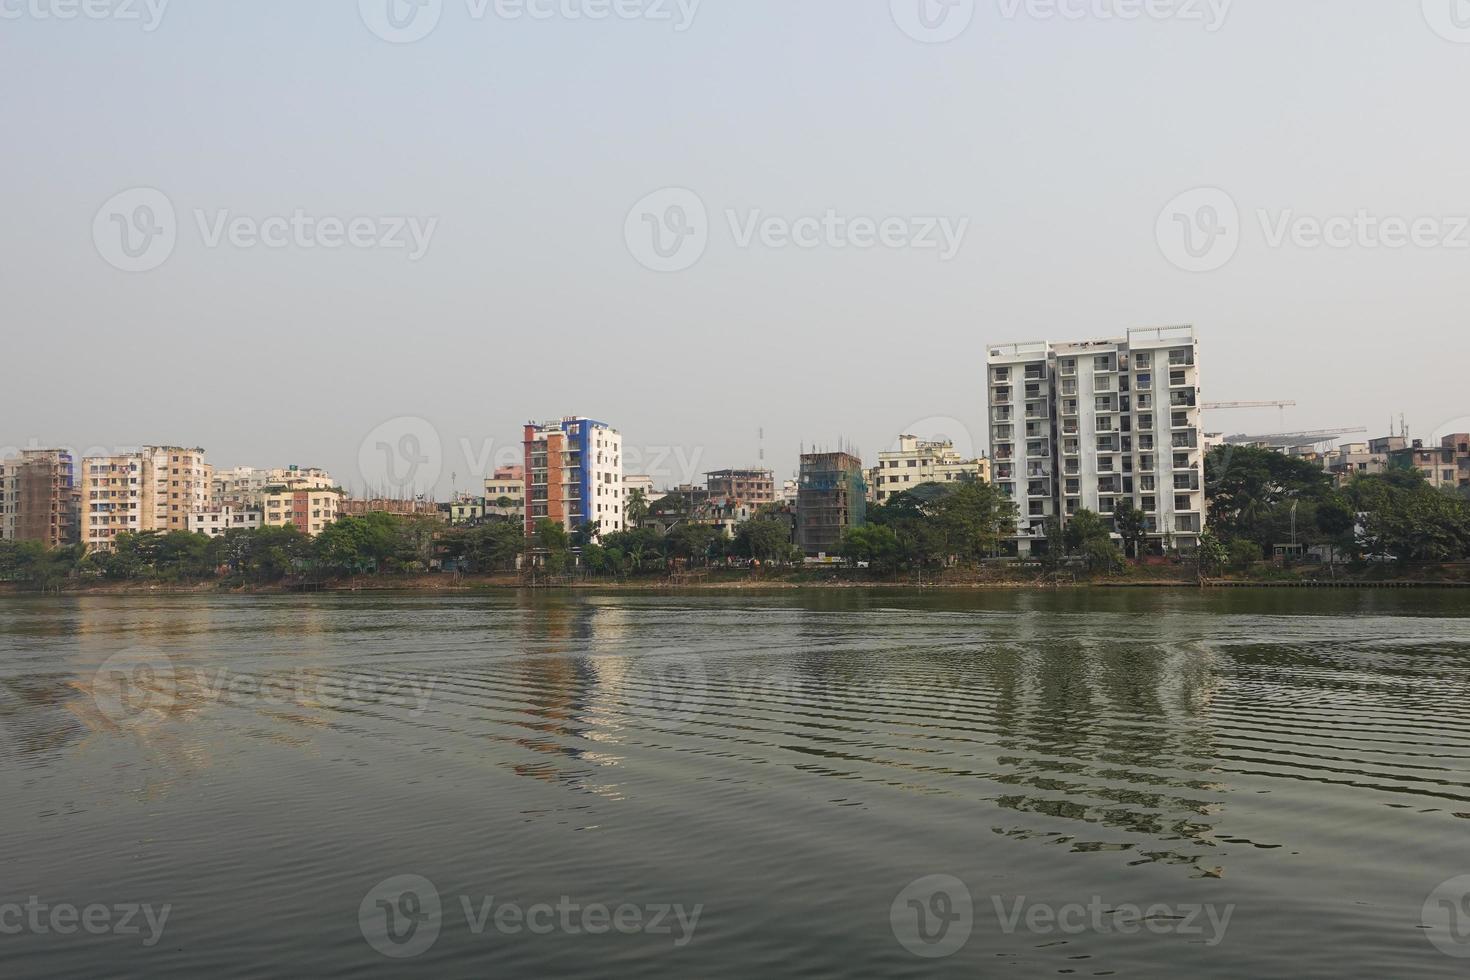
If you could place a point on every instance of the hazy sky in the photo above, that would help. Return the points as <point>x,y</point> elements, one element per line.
<point>1048,143</point>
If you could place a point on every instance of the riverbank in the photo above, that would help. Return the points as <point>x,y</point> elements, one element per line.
<point>720,580</point>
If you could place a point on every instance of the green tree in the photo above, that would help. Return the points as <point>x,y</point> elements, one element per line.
<point>691,541</point>
<point>1243,553</point>
<point>763,539</point>
<point>1337,521</point>
<point>1247,487</point>
<point>1084,526</point>
<point>873,544</point>
<point>975,517</point>
<point>1132,525</point>
<point>1211,555</point>
<point>1103,556</point>
<point>636,509</point>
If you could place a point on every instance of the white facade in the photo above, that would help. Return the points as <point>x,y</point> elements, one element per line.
<point>1101,426</point>
<point>217,521</point>
<point>918,461</point>
<point>574,475</point>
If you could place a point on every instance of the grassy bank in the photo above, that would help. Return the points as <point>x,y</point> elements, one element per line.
<point>1138,576</point>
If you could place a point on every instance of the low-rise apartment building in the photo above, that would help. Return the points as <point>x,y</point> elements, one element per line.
<point>307,507</point>
<point>505,493</point>
<point>1446,465</point>
<point>244,486</point>
<point>217,520</point>
<point>919,461</point>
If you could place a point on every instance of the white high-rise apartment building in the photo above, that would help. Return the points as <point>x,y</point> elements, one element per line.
<point>1101,425</point>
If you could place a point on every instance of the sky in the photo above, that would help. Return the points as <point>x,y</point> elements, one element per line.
<point>379,236</point>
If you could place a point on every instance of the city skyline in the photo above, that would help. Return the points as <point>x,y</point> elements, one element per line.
<point>1053,210</point>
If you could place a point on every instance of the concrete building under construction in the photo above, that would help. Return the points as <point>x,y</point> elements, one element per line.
<point>831,497</point>
<point>40,499</point>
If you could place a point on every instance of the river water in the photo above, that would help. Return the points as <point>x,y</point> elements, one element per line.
<point>824,783</point>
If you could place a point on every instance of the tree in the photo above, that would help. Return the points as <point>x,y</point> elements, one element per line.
<point>183,554</point>
<point>636,545</point>
<point>975,516</point>
<point>1243,553</point>
<point>873,544</point>
<point>1132,525</point>
<point>1245,486</point>
<point>1084,526</point>
<point>1056,542</point>
<point>636,509</point>
<point>937,521</point>
<point>1337,520</point>
<point>1406,518</point>
<point>1102,555</point>
<point>1211,554</point>
<point>763,539</point>
<point>691,541</point>
<point>594,557</point>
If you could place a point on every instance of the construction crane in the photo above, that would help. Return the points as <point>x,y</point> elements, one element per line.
<point>1313,437</point>
<point>1282,406</point>
<point>1222,406</point>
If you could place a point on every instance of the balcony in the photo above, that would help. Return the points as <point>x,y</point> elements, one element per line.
<point>1182,399</point>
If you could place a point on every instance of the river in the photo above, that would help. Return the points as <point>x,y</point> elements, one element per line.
<point>796,784</point>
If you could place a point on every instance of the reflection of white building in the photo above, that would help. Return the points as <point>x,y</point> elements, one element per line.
<point>1101,426</point>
